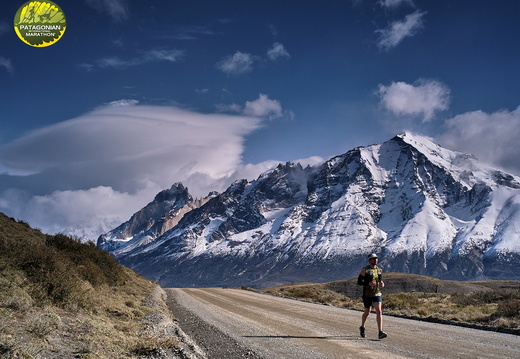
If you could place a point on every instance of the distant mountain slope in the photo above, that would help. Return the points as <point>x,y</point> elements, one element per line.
<point>424,209</point>
<point>157,217</point>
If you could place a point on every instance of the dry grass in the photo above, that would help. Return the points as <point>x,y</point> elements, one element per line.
<point>489,303</point>
<point>60,298</point>
<point>113,326</point>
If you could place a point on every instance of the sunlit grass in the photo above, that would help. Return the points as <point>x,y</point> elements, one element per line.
<point>486,306</point>
<point>63,298</point>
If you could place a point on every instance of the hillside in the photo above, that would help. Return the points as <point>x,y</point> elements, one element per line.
<point>62,298</point>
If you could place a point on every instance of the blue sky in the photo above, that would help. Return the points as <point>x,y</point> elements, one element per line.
<point>138,95</point>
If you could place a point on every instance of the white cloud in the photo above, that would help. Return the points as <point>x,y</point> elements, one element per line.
<point>241,63</point>
<point>310,161</point>
<point>423,99</point>
<point>124,102</point>
<point>263,107</point>
<point>140,141</point>
<point>164,55</point>
<point>392,36</point>
<point>395,3</point>
<point>111,161</point>
<point>277,51</point>
<point>6,63</point>
<point>492,137</point>
<point>118,10</point>
<point>154,55</point>
<point>84,213</point>
<point>237,64</point>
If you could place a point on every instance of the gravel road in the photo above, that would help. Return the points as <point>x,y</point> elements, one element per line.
<point>233,323</point>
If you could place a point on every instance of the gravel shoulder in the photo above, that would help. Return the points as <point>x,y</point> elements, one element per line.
<point>211,341</point>
<point>161,324</point>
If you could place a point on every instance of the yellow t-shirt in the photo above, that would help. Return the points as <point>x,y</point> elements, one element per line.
<point>372,274</point>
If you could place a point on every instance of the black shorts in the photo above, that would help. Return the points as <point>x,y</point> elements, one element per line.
<point>368,301</point>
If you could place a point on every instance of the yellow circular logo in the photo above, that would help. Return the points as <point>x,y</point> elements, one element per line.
<point>40,23</point>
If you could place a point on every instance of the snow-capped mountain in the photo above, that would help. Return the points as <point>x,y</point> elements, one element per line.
<point>157,217</point>
<point>422,208</point>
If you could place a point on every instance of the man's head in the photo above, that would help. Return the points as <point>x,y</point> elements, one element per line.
<point>372,258</point>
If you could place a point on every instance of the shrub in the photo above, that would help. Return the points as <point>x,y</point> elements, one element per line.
<point>45,269</point>
<point>401,301</point>
<point>43,323</point>
<point>17,299</point>
<point>42,275</point>
<point>485,297</point>
<point>423,311</point>
<point>93,264</point>
<point>508,309</point>
<point>303,293</point>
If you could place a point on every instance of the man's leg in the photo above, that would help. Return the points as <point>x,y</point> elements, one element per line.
<point>379,315</point>
<point>365,316</point>
<point>362,331</point>
<point>367,303</point>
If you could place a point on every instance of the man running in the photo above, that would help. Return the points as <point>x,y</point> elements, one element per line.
<point>371,279</point>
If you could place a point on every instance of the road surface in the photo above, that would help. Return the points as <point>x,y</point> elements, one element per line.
<point>263,326</point>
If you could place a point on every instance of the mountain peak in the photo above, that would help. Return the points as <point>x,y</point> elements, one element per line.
<point>156,218</point>
<point>457,163</point>
<point>426,209</point>
<point>424,144</point>
<point>176,193</point>
<point>408,137</point>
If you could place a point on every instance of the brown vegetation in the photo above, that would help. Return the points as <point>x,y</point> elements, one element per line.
<point>62,298</point>
<point>493,304</point>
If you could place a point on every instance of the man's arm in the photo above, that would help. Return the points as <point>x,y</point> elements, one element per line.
<point>381,283</point>
<point>361,277</point>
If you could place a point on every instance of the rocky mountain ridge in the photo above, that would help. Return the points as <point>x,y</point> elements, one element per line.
<point>422,208</point>
<point>152,221</point>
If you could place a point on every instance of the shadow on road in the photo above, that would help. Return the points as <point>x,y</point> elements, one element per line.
<point>336,337</point>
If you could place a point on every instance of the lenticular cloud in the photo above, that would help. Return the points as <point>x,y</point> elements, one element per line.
<point>134,141</point>
<point>114,159</point>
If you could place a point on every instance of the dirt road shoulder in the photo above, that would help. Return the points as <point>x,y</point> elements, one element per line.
<point>214,342</point>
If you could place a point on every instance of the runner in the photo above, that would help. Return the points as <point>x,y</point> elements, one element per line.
<point>371,279</point>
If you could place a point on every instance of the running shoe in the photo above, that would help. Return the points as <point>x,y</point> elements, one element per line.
<point>362,332</point>
<point>382,335</point>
